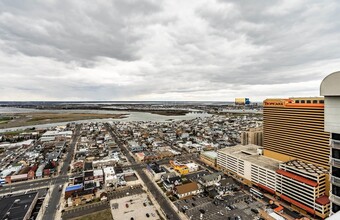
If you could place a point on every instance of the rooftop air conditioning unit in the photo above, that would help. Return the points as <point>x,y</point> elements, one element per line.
<point>260,151</point>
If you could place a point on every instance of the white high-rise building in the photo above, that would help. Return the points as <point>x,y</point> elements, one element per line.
<point>330,89</point>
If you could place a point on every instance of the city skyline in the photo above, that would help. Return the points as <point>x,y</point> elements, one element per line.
<point>166,50</point>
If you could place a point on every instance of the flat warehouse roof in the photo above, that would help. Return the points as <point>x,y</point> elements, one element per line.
<point>211,154</point>
<point>263,161</point>
<point>17,206</point>
<point>74,187</point>
<point>249,153</point>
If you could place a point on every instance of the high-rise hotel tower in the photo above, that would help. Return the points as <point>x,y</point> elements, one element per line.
<point>293,132</point>
<point>293,128</point>
<point>330,89</point>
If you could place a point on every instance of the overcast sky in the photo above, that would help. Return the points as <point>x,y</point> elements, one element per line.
<point>166,49</point>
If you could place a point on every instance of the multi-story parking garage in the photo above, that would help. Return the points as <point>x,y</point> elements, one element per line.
<point>300,183</point>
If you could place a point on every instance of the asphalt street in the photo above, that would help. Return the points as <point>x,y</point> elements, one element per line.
<point>29,185</point>
<point>53,204</point>
<point>161,199</point>
<point>62,178</point>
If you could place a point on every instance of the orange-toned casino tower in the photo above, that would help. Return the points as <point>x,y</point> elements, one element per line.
<point>294,129</point>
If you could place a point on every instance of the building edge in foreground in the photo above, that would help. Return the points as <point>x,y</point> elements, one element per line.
<point>330,89</point>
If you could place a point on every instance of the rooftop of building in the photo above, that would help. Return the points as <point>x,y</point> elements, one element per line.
<point>210,154</point>
<point>48,133</point>
<point>210,177</point>
<point>109,170</point>
<point>185,188</point>
<point>172,179</point>
<point>60,144</point>
<point>118,169</point>
<point>17,206</point>
<point>295,98</point>
<point>196,175</point>
<point>98,172</point>
<point>88,166</point>
<point>88,173</point>
<point>191,165</point>
<point>156,168</point>
<point>330,85</point>
<point>295,102</point>
<point>250,153</point>
<point>306,167</point>
<point>74,187</point>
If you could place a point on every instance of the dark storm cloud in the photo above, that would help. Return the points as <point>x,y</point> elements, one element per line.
<point>158,50</point>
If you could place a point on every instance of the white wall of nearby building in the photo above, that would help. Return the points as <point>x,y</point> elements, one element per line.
<point>332,113</point>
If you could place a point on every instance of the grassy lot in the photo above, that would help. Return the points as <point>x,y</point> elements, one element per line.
<point>16,132</point>
<point>101,215</point>
<point>4,119</point>
<point>35,118</point>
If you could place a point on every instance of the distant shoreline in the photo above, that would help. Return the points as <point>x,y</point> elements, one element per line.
<point>11,120</point>
<point>165,112</point>
<point>46,116</point>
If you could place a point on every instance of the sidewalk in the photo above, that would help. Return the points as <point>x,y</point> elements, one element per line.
<point>29,181</point>
<point>46,201</point>
<point>62,203</point>
<point>182,215</point>
<point>153,200</point>
<point>287,206</point>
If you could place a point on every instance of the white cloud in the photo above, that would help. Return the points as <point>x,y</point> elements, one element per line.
<point>166,50</point>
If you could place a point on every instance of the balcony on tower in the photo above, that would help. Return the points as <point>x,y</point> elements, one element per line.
<point>335,162</point>
<point>335,180</point>
<point>335,144</point>
<point>335,197</point>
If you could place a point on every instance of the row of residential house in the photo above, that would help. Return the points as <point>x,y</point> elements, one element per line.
<point>152,141</point>
<point>172,180</point>
<point>36,158</point>
<point>96,166</point>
